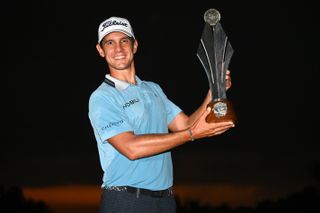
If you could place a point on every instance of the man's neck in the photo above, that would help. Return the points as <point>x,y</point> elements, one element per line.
<point>128,75</point>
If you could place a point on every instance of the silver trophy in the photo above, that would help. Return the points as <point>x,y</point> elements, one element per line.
<point>214,53</point>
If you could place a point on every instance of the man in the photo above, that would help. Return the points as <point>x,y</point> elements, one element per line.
<point>131,119</point>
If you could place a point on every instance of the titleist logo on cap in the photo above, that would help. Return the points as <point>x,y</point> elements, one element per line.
<point>114,22</point>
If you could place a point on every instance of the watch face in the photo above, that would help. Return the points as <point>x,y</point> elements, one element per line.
<point>212,16</point>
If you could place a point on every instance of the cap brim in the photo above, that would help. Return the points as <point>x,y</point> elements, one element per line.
<point>116,30</point>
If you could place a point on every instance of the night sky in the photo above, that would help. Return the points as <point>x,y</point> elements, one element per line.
<point>51,67</point>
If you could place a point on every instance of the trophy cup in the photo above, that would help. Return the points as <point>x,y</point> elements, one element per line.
<point>214,53</point>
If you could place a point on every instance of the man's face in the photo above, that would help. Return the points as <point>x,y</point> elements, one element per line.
<point>118,50</point>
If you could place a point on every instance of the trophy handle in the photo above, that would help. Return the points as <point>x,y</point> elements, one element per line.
<point>221,111</point>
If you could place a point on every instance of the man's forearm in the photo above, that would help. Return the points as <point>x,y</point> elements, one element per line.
<point>139,146</point>
<point>196,114</point>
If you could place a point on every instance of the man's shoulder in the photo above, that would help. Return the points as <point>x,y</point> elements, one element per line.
<point>102,91</point>
<point>152,84</point>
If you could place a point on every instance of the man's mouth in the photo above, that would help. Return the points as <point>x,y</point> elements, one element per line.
<point>119,57</point>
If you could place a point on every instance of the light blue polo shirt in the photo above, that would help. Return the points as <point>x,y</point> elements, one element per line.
<point>116,107</point>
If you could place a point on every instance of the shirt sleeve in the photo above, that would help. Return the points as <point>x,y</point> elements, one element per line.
<point>172,109</point>
<point>107,117</point>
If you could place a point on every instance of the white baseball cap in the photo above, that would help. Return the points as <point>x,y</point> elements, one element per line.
<point>114,24</point>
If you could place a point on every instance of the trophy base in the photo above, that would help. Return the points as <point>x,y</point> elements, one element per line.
<point>221,111</point>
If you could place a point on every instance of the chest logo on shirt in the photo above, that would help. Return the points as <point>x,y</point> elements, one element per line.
<point>130,103</point>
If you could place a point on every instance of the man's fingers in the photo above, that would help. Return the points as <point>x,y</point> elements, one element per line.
<point>224,124</point>
<point>218,133</point>
<point>220,130</point>
<point>208,111</point>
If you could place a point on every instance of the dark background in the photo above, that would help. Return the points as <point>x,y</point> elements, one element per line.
<point>51,67</point>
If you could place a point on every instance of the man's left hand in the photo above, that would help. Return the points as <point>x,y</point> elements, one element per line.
<point>228,80</point>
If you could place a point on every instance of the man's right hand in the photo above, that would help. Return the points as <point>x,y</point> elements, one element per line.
<point>202,129</point>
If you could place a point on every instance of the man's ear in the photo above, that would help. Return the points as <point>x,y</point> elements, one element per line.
<point>100,51</point>
<point>135,46</point>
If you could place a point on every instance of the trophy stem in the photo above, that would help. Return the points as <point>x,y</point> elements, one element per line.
<point>221,111</point>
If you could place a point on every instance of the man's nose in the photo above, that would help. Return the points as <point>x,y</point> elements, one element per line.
<point>118,47</point>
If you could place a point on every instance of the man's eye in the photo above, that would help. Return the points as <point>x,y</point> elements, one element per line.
<point>108,43</point>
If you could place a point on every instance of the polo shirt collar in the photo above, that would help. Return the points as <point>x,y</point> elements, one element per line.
<point>119,84</point>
